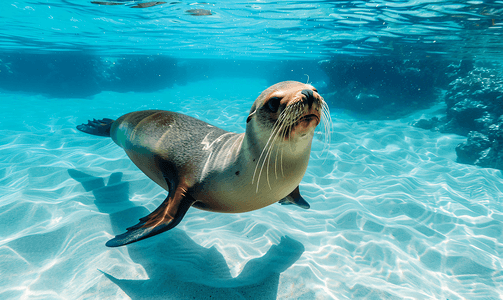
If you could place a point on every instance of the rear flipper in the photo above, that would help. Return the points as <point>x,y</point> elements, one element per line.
<point>97,127</point>
<point>295,198</point>
<point>164,218</point>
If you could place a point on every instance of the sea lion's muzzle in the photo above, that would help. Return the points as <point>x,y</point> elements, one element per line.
<point>309,97</point>
<point>309,117</point>
<point>312,111</point>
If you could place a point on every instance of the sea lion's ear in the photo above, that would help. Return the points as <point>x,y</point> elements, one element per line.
<point>250,116</point>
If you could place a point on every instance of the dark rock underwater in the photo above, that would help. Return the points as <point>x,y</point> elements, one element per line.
<point>474,109</point>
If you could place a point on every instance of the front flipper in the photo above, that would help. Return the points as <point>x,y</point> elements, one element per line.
<point>295,198</point>
<point>164,218</point>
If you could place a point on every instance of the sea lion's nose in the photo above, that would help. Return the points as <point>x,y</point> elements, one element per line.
<point>309,96</point>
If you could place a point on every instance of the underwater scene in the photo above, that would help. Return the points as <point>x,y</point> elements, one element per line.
<point>271,149</point>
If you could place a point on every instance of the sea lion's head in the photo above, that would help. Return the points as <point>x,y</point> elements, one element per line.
<point>280,130</point>
<point>287,112</point>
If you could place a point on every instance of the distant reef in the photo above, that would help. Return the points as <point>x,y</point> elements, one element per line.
<point>474,102</point>
<point>387,88</point>
<point>81,74</point>
<point>383,88</point>
<point>58,74</point>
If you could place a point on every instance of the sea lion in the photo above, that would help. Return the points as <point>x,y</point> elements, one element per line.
<point>206,167</point>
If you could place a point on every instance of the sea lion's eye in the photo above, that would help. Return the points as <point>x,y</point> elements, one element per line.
<point>273,104</point>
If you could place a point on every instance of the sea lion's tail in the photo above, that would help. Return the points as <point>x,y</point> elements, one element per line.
<point>97,127</point>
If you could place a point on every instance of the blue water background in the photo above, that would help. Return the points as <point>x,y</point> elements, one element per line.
<point>266,30</point>
<point>393,216</point>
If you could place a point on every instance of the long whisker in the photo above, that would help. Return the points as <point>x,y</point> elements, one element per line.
<point>268,155</point>
<point>282,173</point>
<point>275,130</point>
<point>327,124</point>
<point>293,120</point>
<point>281,122</point>
<point>282,135</point>
<point>276,157</point>
<point>284,118</point>
<point>264,149</point>
<point>269,161</point>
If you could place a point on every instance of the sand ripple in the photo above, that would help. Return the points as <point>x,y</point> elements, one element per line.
<point>392,214</point>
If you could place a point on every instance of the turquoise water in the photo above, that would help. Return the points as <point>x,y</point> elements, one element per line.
<point>393,215</point>
<point>257,29</point>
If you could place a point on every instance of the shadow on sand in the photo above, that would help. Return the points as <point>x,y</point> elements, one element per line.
<point>179,268</point>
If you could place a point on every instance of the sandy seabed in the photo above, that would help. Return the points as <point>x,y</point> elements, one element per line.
<point>392,216</point>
